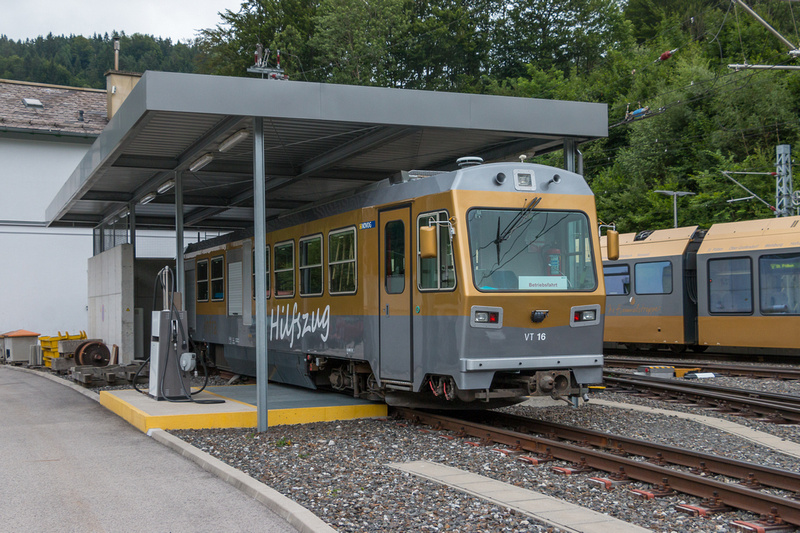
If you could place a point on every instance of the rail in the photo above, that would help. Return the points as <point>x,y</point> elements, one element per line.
<point>668,479</point>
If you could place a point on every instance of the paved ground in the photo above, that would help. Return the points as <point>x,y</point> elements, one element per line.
<point>68,464</point>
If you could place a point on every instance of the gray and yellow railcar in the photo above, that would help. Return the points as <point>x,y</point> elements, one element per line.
<point>750,274</point>
<point>477,285</point>
<point>734,287</point>
<point>652,289</point>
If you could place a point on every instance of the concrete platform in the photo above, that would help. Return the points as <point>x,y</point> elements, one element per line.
<point>287,405</point>
<point>552,511</point>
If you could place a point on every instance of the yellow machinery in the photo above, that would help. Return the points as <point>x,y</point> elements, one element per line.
<point>50,348</point>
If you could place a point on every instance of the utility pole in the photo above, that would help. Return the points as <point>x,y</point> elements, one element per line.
<point>675,195</point>
<point>786,204</point>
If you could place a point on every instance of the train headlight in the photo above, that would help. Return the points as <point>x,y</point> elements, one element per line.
<point>486,317</point>
<point>584,315</point>
<point>588,315</point>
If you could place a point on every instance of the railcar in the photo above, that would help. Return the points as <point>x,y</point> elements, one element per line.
<point>734,286</point>
<point>476,287</point>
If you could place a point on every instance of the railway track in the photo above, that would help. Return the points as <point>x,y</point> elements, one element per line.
<point>668,469</point>
<point>727,369</point>
<point>776,408</point>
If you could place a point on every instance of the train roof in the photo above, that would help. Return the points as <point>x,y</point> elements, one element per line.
<point>417,183</point>
<point>654,243</point>
<point>762,234</point>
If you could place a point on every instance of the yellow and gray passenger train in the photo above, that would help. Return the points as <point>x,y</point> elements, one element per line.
<point>735,286</point>
<point>469,288</point>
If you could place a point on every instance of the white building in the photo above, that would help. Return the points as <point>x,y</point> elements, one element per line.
<point>45,130</point>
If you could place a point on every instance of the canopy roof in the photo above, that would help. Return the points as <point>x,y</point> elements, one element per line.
<point>320,140</point>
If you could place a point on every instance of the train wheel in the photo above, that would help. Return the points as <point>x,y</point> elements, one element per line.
<point>698,348</point>
<point>677,348</point>
<point>93,353</point>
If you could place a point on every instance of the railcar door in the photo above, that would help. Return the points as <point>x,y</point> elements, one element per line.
<point>395,294</point>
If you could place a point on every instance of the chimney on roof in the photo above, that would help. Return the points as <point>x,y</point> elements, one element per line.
<point>119,84</point>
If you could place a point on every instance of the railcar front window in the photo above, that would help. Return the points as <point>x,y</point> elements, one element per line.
<point>531,250</point>
<point>730,285</point>
<point>618,279</point>
<point>779,284</point>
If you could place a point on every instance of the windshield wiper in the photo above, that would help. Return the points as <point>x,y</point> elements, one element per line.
<point>515,222</point>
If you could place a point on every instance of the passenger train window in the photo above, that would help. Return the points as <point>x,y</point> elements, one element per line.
<point>342,261</point>
<point>779,284</point>
<point>266,274</point>
<point>527,249</point>
<point>284,270</point>
<point>202,280</point>
<point>395,257</point>
<point>436,273</point>
<point>310,249</point>
<point>653,278</point>
<point>730,285</point>
<point>217,278</point>
<point>618,279</point>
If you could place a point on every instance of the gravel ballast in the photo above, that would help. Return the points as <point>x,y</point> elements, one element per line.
<point>338,469</point>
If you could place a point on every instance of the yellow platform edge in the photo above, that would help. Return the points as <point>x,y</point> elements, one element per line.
<point>144,422</point>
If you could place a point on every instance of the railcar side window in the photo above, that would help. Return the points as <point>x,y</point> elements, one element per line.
<point>310,249</point>
<point>779,284</point>
<point>395,257</point>
<point>284,269</point>
<point>436,273</point>
<point>730,285</point>
<point>202,280</point>
<point>217,278</point>
<point>342,261</point>
<point>266,274</point>
<point>653,278</point>
<point>618,279</point>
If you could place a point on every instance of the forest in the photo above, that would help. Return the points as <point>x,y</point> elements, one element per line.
<point>679,115</point>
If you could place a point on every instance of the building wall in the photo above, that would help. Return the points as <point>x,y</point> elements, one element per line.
<point>33,170</point>
<point>110,289</point>
<point>42,270</point>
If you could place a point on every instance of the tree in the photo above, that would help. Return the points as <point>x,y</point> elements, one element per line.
<point>285,25</point>
<point>353,40</point>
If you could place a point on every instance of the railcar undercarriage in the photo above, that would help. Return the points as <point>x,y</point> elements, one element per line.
<point>440,391</point>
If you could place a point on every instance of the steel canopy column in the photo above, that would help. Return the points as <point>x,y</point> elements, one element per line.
<point>260,237</point>
<point>132,227</point>
<point>180,273</point>
<point>570,149</point>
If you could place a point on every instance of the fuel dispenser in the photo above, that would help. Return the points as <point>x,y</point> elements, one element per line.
<point>172,362</point>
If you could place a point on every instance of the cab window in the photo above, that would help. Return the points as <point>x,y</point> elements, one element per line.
<point>436,273</point>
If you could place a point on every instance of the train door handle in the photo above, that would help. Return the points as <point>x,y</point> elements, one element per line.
<point>387,309</point>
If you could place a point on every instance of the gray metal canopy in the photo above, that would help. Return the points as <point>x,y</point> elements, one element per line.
<point>320,140</point>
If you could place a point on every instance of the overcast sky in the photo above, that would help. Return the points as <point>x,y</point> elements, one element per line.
<point>176,19</point>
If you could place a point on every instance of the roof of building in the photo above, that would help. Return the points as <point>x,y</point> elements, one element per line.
<point>319,141</point>
<point>54,109</point>
<point>19,333</point>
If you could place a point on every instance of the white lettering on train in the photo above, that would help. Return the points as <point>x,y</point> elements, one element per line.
<point>291,325</point>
